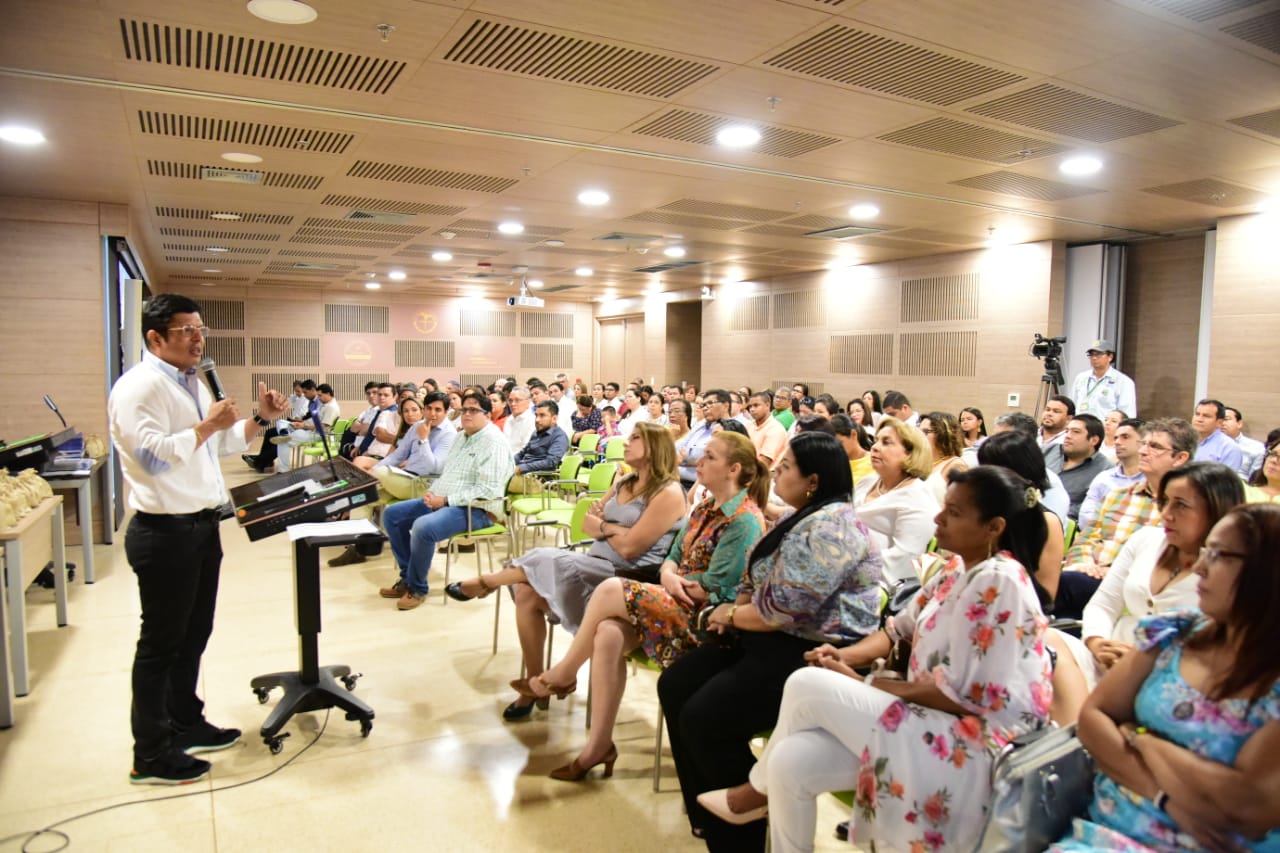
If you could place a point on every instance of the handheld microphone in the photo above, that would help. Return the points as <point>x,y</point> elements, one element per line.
<point>210,371</point>
<point>49,402</point>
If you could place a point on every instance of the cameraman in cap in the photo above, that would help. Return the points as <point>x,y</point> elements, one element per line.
<point>1102,388</point>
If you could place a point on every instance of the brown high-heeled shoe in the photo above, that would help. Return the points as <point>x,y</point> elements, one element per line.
<point>525,687</point>
<point>575,772</point>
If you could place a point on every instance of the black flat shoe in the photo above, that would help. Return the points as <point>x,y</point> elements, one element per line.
<point>516,712</point>
<point>454,591</point>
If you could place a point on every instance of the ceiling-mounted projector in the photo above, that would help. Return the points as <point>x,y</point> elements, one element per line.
<point>525,301</point>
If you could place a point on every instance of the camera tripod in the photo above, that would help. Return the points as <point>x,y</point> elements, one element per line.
<point>1050,385</point>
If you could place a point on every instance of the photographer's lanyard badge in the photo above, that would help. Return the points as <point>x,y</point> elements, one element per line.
<point>1091,386</point>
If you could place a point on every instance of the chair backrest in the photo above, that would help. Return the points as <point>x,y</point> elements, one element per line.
<point>576,531</point>
<point>602,477</point>
<point>588,443</point>
<point>614,448</point>
<point>1069,535</point>
<point>340,426</point>
<point>569,466</point>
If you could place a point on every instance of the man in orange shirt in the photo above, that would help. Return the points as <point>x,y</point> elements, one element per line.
<point>765,431</point>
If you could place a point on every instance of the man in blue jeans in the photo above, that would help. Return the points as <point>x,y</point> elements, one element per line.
<point>476,472</point>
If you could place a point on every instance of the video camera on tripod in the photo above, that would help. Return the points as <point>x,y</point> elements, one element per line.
<point>1049,350</point>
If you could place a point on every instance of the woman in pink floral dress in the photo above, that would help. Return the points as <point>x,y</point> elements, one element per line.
<point>918,752</point>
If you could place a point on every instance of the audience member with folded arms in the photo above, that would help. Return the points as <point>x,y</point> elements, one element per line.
<point>704,567</point>
<point>1185,729</point>
<point>918,752</point>
<point>1152,574</point>
<point>814,579</point>
<point>633,526</point>
<point>895,502</point>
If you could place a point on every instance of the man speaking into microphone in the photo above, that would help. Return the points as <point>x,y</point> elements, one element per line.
<point>170,431</point>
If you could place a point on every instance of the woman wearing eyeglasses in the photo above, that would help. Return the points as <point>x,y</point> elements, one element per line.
<point>1185,730</point>
<point>1152,574</point>
<point>1265,485</point>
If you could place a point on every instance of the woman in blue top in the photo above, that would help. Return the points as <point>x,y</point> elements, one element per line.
<point>1186,731</point>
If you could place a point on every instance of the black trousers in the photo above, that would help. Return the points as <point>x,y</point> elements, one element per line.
<point>267,455</point>
<point>1074,591</point>
<point>177,561</point>
<point>715,699</point>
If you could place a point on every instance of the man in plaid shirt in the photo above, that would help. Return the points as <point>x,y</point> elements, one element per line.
<point>1166,444</point>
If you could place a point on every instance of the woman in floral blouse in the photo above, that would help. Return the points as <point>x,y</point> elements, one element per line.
<point>919,751</point>
<point>705,566</point>
<point>1186,729</point>
<point>814,579</point>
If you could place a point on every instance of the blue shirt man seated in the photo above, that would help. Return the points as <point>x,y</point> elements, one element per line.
<point>544,452</point>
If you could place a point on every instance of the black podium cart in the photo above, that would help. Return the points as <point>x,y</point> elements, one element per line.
<point>312,687</point>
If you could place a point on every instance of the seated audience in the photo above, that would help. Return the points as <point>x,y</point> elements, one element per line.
<point>303,403</point>
<point>871,398</point>
<point>705,567</point>
<point>544,451</point>
<point>501,412</point>
<point>633,526</point>
<point>973,426</point>
<point>1166,443</point>
<point>657,410</point>
<point>895,502</point>
<point>421,452</point>
<point>1183,729</point>
<point>1264,487</point>
<point>782,407</point>
<point>896,405</point>
<point>1215,445</point>
<point>410,412</point>
<point>1109,425</point>
<point>856,443</point>
<point>1057,413</point>
<point>1081,461</point>
<point>588,420</point>
<point>813,579</point>
<point>945,445</point>
<point>678,418</point>
<point>690,448</point>
<point>470,489</point>
<point>455,406</point>
<point>377,428</point>
<point>1018,452</point>
<point>1127,437</point>
<point>1055,499</point>
<point>1152,574</point>
<point>765,431</point>
<point>303,432</point>
<point>1251,450</point>
<point>519,425</point>
<point>608,424</point>
<point>859,413</point>
<point>918,752</point>
<point>826,406</point>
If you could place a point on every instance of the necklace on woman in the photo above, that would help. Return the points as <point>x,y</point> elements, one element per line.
<point>879,490</point>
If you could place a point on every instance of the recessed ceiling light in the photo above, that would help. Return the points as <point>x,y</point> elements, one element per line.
<point>583,271</point>
<point>228,217</point>
<point>210,271</point>
<point>610,294</point>
<point>19,135</point>
<point>738,136</point>
<point>441,256</point>
<point>282,11</point>
<point>554,244</point>
<point>674,251</point>
<point>864,211</point>
<point>1080,166</point>
<point>241,157</point>
<point>535,282</point>
<point>593,198</point>
<point>397,275</point>
<point>216,249</point>
<point>207,284</point>
<point>372,285</point>
<point>510,227</point>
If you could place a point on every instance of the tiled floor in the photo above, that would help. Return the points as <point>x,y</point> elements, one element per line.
<point>440,771</point>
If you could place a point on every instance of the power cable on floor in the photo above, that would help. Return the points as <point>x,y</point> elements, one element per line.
<point>31,835</point>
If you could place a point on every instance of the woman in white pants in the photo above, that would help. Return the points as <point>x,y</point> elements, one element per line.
<point>918,752</point>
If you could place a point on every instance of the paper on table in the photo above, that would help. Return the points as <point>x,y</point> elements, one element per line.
<point>331,528</point>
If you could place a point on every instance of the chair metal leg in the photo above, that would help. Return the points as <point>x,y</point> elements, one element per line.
<point>657,752</point>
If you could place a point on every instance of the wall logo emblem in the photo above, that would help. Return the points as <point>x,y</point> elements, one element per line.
<point>357,352</point>
<point>424,322</point>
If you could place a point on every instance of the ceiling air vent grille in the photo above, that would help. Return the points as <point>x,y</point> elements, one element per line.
<point>299,253</point>
<point>180,47</point>
<point>383,204</point>
<point>244,218</point>
<point>1024,186</point>
<point>430,177</point>
<point>481,229</point>
<point>939,299</point>
<point>245,132</point>
<point>203,234</point>
<point>1210,191</point>
<point>689,221</point>
<point>863,354</point>
<point>231,250</point>
<point>1057,110</point>
<point>856,58</point>
<point>701,129</point>
<point>204,260</point>
<point>961,139</point>
<point>1202,10</point>
<point>938,354</point>
<point>1263,31</point>
<point>327,236</point>
<point>290,268</point>
<point>348,225</point>
<point>667,267</point>
<point>569,59</point>
<point>196,172</point>
<point>725,211</point>
<point>1268,122</point>
<point>843,232</point>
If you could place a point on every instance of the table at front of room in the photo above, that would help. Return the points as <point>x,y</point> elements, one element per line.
<point>82,485</point>
<point>28,546</point>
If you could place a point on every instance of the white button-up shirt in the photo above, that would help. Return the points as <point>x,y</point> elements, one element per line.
<point>153,415</point>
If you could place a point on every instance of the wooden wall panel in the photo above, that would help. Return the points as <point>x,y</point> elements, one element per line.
<point>1246,319</point>
<point>1017,289</point>
<point>1161,324</point>
<point>683,344</point>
